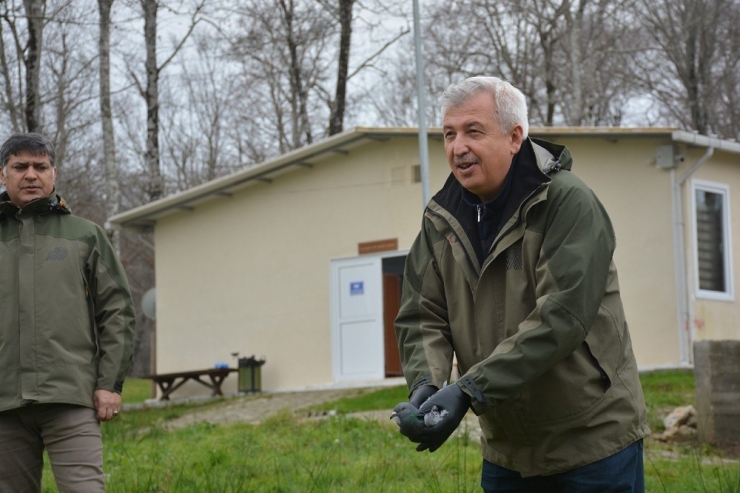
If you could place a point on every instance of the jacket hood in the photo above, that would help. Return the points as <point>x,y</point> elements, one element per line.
<point>551,157</point>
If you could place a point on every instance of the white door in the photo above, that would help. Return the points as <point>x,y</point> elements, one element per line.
<point>357,319</point>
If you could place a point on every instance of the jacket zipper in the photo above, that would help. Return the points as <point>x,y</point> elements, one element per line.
<point>498,239</point>
<point>479,210</point>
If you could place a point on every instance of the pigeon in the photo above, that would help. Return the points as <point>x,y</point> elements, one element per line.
<point>412,422</point>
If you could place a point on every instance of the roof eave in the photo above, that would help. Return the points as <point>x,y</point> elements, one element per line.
<point>144,217</point>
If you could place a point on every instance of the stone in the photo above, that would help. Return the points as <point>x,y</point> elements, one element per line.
<point>684,415</point>
<point>680,426</point>
<point>717,382</point>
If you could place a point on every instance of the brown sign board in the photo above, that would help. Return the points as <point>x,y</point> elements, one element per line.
<point>378,246</point>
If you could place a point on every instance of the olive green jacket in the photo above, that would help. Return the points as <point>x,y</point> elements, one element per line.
<point>66,316</point>
<point>538,329</point>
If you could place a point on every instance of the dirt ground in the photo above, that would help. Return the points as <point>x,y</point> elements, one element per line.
<point>255,408</point>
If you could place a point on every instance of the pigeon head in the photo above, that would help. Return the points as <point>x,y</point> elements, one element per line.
<point>402,412</point>
<point>409,420</point>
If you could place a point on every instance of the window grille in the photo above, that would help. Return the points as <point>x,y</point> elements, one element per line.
<point>712,240</point>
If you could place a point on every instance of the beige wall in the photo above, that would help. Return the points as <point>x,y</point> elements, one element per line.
<point>250,273</point>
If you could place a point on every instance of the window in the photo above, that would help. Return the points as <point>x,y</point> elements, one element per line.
<point>416,173</point>
<point>712,240</point>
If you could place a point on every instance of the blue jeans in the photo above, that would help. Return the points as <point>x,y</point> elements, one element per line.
<point>619,473</point>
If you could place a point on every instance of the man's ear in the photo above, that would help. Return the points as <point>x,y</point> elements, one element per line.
<point>517,137</point>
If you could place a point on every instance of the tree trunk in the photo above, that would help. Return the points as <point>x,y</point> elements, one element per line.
<point>113,192</point>
<point>574,39</point>
<point>550,84</point>
<point>299,94</point>
<point>35,10</point>
<point>151,95</point>
<point>10,97</point>
<point>336,121</point>
<point>62,135</point>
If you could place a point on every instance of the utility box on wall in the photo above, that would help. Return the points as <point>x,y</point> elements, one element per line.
<point>717,381</point>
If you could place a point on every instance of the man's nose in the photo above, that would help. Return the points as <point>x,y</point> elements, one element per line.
<point>460,146</point>
<point>31,173</point>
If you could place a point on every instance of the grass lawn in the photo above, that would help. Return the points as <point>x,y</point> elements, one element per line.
<point>136,390</point>
<point>346,454</point>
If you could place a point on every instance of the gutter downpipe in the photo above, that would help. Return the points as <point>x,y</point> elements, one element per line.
<point>682,291</point>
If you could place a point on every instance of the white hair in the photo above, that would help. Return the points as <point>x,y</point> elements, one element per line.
<point>511,105</point>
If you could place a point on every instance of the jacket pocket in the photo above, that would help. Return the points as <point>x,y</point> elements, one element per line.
<point>63,324</point>
<point>91,317</point>
<point>605,342</point>
<point>570,389</point>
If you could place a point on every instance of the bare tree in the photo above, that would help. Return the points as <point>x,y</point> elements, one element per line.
<point>692,66</point>
<point>150,90</point>
<point>289,51</point>
<point>25,74</point>
<point>113,194</point>
<point>9,66</point>
<point>594,84</point>
<point>67,84</point>
<point>336,118</point>
<point>199,147</point>
<point>35,12</point>
<point>284,53</point>
<point>563,54</point>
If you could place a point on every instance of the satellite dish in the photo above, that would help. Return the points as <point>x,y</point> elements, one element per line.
<point>149,304</point>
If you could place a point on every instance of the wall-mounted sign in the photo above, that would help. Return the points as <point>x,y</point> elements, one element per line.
<point>378,246</point>
<point>356,288</point>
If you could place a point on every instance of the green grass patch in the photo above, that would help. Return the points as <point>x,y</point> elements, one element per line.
<point>690,469</point>
<point>664,391</point>
<point>136,390</point>
<point>288,453</point>
<point>385,398</point>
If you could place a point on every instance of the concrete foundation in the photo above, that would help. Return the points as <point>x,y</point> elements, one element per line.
<point>717,376</point>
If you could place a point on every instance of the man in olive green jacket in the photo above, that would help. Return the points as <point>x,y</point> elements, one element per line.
<point>66,328</point>
<point>512,272</point>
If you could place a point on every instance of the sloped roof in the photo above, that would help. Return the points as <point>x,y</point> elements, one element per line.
<point>145,216</point>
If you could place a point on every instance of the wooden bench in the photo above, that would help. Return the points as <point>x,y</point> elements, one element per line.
<point>169,382</point>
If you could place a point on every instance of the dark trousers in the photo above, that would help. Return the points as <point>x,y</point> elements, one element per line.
<point>622,472</point>
<point>71,436</point>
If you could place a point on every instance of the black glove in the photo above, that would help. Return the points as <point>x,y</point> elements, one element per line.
<point>451,399</point>
<point>421,394</point>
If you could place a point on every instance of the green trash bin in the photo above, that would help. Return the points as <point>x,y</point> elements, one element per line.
<point>250,374</point>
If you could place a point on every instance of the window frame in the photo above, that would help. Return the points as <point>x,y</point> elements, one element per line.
<point>723,190</point>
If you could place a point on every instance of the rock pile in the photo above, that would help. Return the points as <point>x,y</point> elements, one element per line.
<point>680,426</point>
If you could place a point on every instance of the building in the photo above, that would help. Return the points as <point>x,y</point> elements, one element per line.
<point>299,259</point>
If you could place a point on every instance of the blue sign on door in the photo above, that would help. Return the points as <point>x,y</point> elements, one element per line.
<point>356,288</point>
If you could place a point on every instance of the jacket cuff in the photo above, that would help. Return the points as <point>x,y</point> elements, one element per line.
<point>419,382</point>
<point>478,401</point>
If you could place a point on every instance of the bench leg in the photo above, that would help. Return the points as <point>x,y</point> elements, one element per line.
<point>167,387</point>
